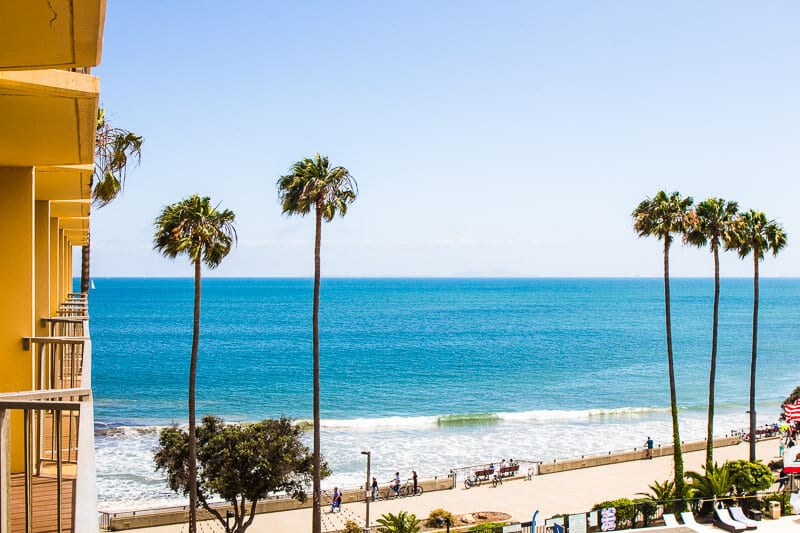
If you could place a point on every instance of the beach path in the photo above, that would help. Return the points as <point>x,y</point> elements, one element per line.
<point>572,491</point>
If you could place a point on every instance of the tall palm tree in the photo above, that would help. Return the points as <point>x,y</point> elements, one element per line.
<point>195,228</point>
<point>663,216</point>
<point>757,235</point>
<point>313,184</point>
<point>711,222</point>
<point>113,147</point>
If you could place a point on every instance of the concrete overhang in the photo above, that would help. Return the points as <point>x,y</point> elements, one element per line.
<point>71,209</point>
<point>77,237</point>
<point>70,182</point>
<point>49,117</point>
<point>36,34</point>
<point>74,223</point>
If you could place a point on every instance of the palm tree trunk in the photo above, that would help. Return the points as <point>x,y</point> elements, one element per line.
<point>712,373</point>
<point>85,259</point>
<point>676,439</point>
<point>756,254</point>
<point>192,422</point>
<point>316,514</point>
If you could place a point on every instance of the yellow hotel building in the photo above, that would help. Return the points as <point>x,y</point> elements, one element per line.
<point>48,113</point>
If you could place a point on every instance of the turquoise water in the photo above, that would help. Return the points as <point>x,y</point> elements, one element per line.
<point>409,364</point>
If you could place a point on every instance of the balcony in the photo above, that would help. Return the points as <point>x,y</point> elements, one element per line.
<point>47,434</point>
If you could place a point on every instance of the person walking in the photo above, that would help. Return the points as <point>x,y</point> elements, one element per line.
<point>374,488</point>
<point>414,477</point>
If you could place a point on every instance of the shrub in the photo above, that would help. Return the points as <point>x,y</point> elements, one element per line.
<point>351,527</point>
<point>624,510</point>
<point>783,499</point>
<point>647,508</point>
<point>440,513</point>
<point>487,527</point>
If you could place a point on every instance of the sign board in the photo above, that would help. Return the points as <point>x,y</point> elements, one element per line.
<point>608,519</point>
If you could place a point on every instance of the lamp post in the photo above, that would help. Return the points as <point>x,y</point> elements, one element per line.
<point>445,521</point>
<point>367,487</point>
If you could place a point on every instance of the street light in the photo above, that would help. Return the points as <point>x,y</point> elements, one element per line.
<point>367,487</point>
<point>445,520</point>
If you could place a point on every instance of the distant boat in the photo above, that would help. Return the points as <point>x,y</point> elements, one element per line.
<point>91,284</point>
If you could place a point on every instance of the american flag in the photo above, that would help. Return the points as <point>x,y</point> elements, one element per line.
<point>792,411</point>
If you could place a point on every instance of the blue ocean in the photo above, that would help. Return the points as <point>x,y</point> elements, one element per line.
<point>429,374</point>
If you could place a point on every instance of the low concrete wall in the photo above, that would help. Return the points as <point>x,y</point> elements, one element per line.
<point>633,455</point>
<point>162,517</point>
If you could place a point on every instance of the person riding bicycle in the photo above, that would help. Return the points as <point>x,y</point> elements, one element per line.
<point>396,484</point>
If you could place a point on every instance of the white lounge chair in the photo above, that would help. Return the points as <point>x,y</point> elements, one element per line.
<point>738,515</point>
<point>670,520</point>
<point>726,522</point>
<point>689,521</point>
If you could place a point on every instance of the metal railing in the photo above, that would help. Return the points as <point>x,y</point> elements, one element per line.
<point>38,407</point>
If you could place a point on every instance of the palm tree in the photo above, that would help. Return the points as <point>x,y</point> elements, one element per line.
<point>112,149</point>
<point>402,522</point>
<point>313,184</point>
<point>711,222</point>
<point>661,217</point>
<point>195,228</point>
<point>757,235</point>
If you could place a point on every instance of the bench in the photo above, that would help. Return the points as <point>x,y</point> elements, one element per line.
<point>484,474</point>
<point>509,471</point>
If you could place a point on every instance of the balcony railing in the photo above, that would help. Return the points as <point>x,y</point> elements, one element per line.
<point>50,472</point>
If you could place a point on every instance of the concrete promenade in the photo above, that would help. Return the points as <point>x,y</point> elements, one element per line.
<point>571,491</point>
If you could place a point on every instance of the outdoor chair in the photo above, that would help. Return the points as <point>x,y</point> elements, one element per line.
<point>726,522</point>
<point>691,523</point>
<point>670,520</point>
<point>738,515</point>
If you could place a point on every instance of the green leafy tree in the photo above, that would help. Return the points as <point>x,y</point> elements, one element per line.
<point>402,522</point>
<point>313,185</point>
<point>205,234</point>
<point>749,477</point>
<point>793,397</point>
<point>712,223</point>
<point>241,463</point>
<point>114,149</point>
<point>756,235</point>
<point>662,217</point>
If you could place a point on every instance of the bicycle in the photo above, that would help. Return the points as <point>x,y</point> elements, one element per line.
<point>473,481</point>
<point>391,493</point>
<point>408,489</point>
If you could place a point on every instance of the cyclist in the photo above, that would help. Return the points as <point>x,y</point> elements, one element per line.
<point>396,484</point>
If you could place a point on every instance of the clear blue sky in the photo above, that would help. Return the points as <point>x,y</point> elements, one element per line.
<point>488,138</point>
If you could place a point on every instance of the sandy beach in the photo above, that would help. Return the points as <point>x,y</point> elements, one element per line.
<point>564,492</point>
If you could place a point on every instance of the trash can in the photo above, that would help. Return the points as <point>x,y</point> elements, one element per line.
<point>774,510</point>
<point>755,514</point>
